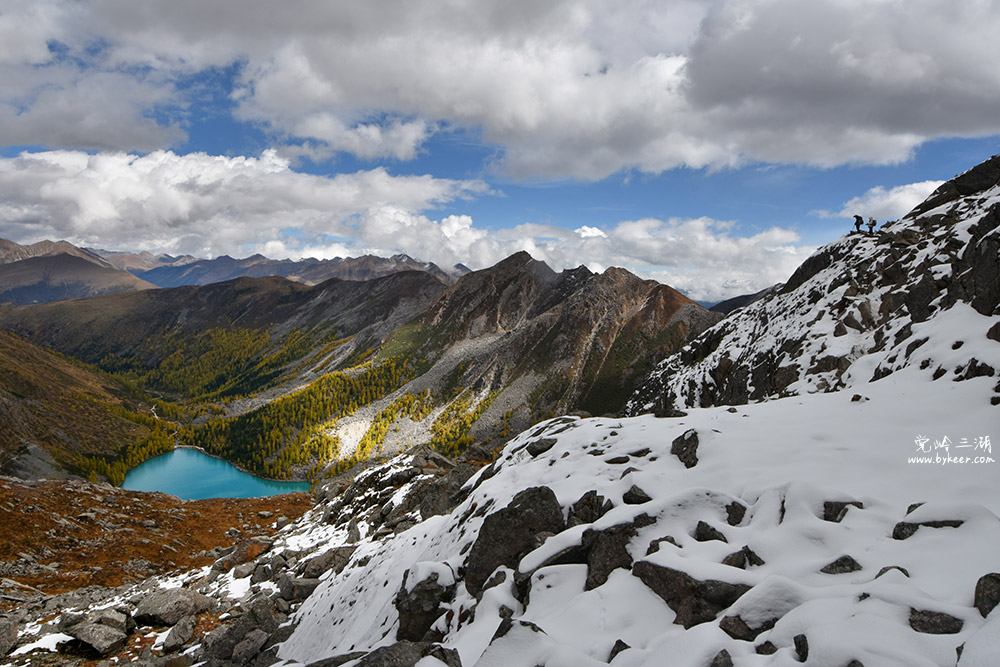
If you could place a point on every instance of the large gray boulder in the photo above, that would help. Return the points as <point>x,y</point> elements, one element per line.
<point>510,533</point>
<point>166,607</point>
<point>332,559</point>
<point>101,638</point>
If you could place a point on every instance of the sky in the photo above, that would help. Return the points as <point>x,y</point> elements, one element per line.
<point>712,145</point>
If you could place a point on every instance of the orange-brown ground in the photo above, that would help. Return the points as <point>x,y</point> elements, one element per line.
<point>58,536</point>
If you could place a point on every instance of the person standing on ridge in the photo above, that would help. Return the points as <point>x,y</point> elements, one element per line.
<point>858,221</point>
<point>871,225</point>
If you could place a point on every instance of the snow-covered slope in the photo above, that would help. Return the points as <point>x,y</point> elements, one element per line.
<point>785,461</point>
<point>923,292</point>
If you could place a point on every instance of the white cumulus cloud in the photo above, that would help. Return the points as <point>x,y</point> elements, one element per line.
<point>884,203</point>
<point>197,203</point>
<point>562,89</point>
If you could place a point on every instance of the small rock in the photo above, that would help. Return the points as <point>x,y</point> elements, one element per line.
<point>886,569</point>
<point>735,511</point>
<point>654,546</point>
<point>842,565</point>
<point>703,532</point>
<point>835,510</point>
<point>905,529</point>
<point>736,627</point>
<point>742,558</point>
<point>244,570</point>
<point>801,647</point>
<point>264,514</point>
<point>540,446</point>
<point>618,648</point>
<point>263,572</point>
<point>721,659</point>
<point>934,622</point>
<point>685,448</point>
<point>635,496</point>
<point>767,648</point>
<point>987,594</point>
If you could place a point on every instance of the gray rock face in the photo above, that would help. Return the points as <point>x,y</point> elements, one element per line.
<point>8,635</point>
<point>693,601</point>
<point>221,643</point>
<point>166,607</point>
<point>335,559</point>
<point>179,635</point>
<point>510,533</point>
<point>249,646</point>
<point>101,638</point>
<point>293,588</point>
<point>987,595</point>
<point>420,607</point>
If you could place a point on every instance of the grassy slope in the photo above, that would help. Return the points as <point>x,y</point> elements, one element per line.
<point>62,406</point>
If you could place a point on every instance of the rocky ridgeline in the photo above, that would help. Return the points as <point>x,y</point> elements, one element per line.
<point>858,310</point>
<point>587,542</point>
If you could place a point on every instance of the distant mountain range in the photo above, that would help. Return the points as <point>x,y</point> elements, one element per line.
<point>306,271</point>
<point>55,270</point>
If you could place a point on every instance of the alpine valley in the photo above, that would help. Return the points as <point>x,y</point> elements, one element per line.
<point>515,467</point>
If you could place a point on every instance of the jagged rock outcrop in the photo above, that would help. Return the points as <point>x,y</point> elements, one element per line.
<point>853,311</point>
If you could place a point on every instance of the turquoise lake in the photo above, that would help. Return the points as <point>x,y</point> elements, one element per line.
<point>193,475</point>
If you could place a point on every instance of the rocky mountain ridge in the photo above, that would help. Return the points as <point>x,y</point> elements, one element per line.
<point>859,309</point>
<point>499,350</point>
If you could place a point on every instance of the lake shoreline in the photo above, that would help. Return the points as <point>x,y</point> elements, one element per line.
<point>239,467</point>
<point>191,473</point>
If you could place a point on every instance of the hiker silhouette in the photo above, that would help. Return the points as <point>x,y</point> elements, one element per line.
<point>871,225</point>
<point>858,221</point>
